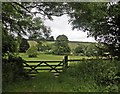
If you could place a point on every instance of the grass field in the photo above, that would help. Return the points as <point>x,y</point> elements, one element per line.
<point>42,56</point>
<point>72,44</point>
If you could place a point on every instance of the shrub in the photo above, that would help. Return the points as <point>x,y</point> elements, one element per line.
<point>12,69</point>
<point>61,45</point>
<point>104,73</point>
<point>32,51</point>
<point>24,45</point>
<point>8,43</point>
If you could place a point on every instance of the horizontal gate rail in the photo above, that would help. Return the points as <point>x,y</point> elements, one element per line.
<point>44,61</point>
<point>42,65</point>
<point>70,60</point>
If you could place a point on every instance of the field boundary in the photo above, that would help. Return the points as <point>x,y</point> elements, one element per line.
<point>53,66</point>
<point>56,67</point>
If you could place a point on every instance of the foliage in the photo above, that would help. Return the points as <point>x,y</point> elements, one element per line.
<point>24,45</point>
<point>12,70</point>
<point>51,38</point>
<point>61,45</point>
<point>85,75</point>
<point>42,34</point>
<point>8,43</point>
<point>44,48</point>
<point>80,49</point>
<point>32,51</point>
<point>104,73</point>
<point>102,23</point>
<point>39,45</point>
<point>19,19</point>
<point>86,50</point>
<point>101,49</point>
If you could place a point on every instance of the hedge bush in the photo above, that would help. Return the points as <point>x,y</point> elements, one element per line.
<point>12,70</point>
<point>32,51</point>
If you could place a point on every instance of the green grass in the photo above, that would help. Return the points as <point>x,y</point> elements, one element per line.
<point>42,56</point>
<point>72,44</point>
<point>80,77</point>
<point>32,43</point>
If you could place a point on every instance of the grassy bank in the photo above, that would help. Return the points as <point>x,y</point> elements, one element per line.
<point>87,76</point>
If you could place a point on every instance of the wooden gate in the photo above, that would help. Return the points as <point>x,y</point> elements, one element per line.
<point>55,67</point>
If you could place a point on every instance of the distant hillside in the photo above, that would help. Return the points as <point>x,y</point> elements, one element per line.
<point>72,44</point>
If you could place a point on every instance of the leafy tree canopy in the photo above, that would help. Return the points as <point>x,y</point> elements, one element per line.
<point>18,18</point>
<point>61,45</point>
<point>101,20</point>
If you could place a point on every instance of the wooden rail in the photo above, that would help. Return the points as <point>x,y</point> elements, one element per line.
<point>56,67</point>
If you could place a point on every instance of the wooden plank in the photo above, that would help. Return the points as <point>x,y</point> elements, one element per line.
<point>43,69</point>
<point>43,65</point>
<point>44,61</point>
<point>70,60</point>
<point>75,60</point>
<point>49,69</point>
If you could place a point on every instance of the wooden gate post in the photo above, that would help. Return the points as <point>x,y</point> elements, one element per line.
<point>65,63</point>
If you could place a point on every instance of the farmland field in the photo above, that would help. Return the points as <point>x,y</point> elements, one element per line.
<point>72,44</point>
<point>42,56</point>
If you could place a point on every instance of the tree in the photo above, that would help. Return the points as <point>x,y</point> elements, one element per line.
<point>19,19</point>
<point>24,45</point>
<point>51,38</point>
<point>39,45</point>
<point>61,45</point>
<point>101,20</point>
<point>80,49</point>
<point>8,43</point>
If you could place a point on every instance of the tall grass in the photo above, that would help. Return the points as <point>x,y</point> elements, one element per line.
<point>87,76</point>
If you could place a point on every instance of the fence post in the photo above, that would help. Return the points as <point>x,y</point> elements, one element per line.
<point>65,63</point>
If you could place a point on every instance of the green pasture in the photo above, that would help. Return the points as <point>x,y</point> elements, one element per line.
<point>72,45</point>
<point>42,56</point>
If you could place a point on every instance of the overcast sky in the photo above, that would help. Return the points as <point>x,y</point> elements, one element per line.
<point>60,26</point>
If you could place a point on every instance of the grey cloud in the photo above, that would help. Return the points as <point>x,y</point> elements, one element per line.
<point>60,26</point>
